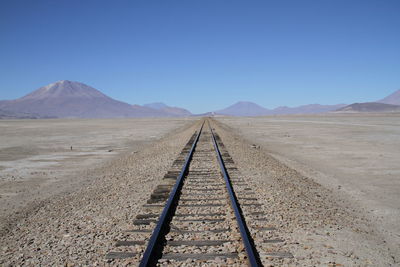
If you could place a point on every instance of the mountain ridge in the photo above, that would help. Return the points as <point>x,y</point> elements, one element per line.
<point>246,108</point>
<point>62,88</point>
<point>177,111</point>
<point>156,105</point>
<point>243,108</point>
<point>69,99</point>
<point>393,98</point>
<point>306,109</point>
<point>388,104</point>
<point>369,107</point>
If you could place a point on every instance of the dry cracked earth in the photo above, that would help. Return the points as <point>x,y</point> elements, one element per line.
<point>78,227</point>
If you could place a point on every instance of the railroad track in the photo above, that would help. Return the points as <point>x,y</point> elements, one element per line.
<point>196,216</point>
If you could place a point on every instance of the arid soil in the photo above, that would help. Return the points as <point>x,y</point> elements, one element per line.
<point>37,161</point>
<point>321,223</point>
<point>353,159</point>
<point>79,228</point>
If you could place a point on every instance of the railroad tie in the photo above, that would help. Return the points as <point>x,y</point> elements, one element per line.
<point>201,197</point>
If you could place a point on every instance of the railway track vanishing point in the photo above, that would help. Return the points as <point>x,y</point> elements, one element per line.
<point>203,212</point>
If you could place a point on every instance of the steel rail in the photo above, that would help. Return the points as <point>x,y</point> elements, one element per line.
<point>252,254</point>
<point>150,254</point>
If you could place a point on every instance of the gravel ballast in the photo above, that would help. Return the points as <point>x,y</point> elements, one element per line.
<point>79,228</point>
<point>319,228</point>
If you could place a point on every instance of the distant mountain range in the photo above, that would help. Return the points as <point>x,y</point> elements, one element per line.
<point>391,103</point>
<point>243,108</point>
<point>173,111</point>
<point>251,109</point>
<point>370,107</point>
<point>68,99</point>
<point>393,99</point>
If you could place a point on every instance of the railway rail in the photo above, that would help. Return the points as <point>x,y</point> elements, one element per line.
<point>203,213</point>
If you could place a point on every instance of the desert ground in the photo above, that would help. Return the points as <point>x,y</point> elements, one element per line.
<point>41,158</point>
<point>330,184</point>
<point>356,156</point>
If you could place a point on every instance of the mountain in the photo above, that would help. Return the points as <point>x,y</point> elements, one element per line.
<point>74,99</point>
<point>391,103</point>
<point>68,99</point>
<point>306,109</point>
<point>393,99</point>
<point>156,105</point>
<point>243,108</point>
<point>172,111</point>
<point>370,107</point>
<point>252,109</point>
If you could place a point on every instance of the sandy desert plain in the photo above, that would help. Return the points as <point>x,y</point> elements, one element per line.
<point>330,184</point>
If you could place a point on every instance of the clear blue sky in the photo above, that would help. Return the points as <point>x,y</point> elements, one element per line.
<point>204,55</point>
